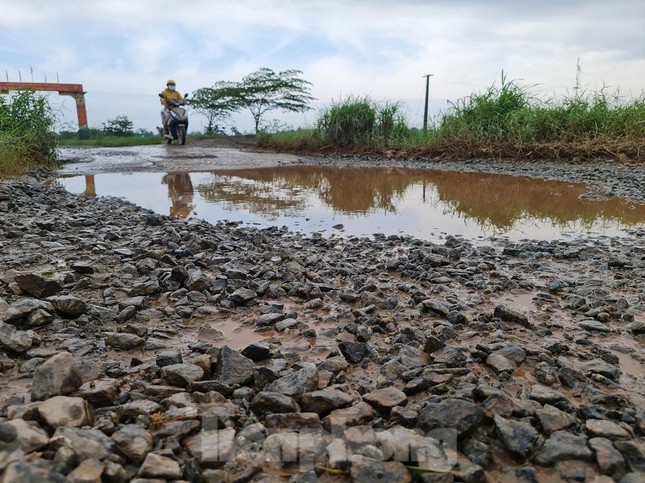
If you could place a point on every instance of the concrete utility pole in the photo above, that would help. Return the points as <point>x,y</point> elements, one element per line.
<point>425,111</point>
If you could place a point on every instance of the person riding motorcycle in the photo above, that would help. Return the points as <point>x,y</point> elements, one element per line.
<point>169,94</point>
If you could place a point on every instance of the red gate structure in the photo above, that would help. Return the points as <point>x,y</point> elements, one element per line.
<point>73,90</point>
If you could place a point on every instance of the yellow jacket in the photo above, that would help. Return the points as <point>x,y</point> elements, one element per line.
<point>169,95</point>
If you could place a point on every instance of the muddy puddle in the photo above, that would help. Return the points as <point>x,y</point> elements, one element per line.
<point>423,203</point>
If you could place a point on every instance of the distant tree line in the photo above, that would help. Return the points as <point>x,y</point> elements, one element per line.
<point>120,126</point>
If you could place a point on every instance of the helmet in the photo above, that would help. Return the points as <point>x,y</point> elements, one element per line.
<point>170,81</point>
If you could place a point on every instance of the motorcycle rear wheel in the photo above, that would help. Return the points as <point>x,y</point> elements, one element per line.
<point>181,134</point>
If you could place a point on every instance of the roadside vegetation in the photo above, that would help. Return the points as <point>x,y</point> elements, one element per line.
<point>27,140</point>
<point>504,121</point>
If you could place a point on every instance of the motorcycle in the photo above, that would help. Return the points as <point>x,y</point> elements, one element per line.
<point>178,124</point>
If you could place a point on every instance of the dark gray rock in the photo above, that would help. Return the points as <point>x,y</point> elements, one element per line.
<point>68,305</point>
<point>242,296</point>
<point>37,286</point>
<point>232,368</point>
<point>258,351</point>
<point>634,453</point>
<point>28,472</point>
<point>551,419</point>
<point>124,341</point>
<point>296,383</point>
<point>20,309</point>
<point>369,469</point>
<point>135,442</point>
<point>451,413</point>
<point>609,459</point>
<point>15,340</point>
<point>563,445</point>
<point>509,314</point>
<point>267,402</point>
<point>451,356</point>
<point>326,400</point>
<point>354,352</point>
<point>519,437</point>
<point>169,357</point>
<point>182,375</point>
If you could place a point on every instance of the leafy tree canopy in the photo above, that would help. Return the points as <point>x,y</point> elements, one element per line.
<point>266,90</point>
<point>119,126</point>
<point>216,103</point>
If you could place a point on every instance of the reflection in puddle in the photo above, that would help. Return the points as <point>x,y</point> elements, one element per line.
<point>363,201</point>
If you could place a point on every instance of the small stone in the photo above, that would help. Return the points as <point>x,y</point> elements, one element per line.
<point>196,281</point>
<point>20,309</point>
<point>58,375</point>
<point>232,368</point>
<point>242,296</point>
<point>157,466</point>
<point>634,453</point>
<point>27,472</point>
<point>182,375</point>
<point>326,400</point>
<point>372,470</point>
<point>68,305</point>
<point>295,384</point>
<point>386,398</point>
<point>606,429</point>
<point>451,413</point>
<point>518,436</point>
<point>15,340</point>
<point>499,363</point>
<point>509,314</point>
<point>355,415</point>
<point>594,326</point>
<point>168,358</point>
<point>89,471</point>
<point>213,447</point>
<point>133,441</point>
<point>545,394</point>
<point>258,351</point>
<point>266,402</point>
<point>63,411</point>
<point>29,437</point>
<point>609,459</point>
<point>124,341</point>
<point>354,352</point>
<point>37,286</point>
<point>563,445</point>
<point>552,419</point>
<point>101,392</point>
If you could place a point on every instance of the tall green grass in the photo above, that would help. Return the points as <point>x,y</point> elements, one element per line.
<point>361,122</point>
<point>505,120</point>
<point>27,139</point>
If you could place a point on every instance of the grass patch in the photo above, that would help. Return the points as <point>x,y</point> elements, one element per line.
<point>504,121</point>
<point>27,140</point>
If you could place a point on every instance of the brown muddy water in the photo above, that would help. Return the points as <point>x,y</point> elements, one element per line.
<point>423,203</point>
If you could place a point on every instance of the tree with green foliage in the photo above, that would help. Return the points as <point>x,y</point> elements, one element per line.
<point>266,90</point>
<point>119,126</point>
<point>216,103</point>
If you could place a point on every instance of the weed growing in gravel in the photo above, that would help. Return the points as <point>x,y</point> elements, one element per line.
<point>26,136</point>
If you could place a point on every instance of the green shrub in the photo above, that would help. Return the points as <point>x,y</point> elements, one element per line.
<point>26,135</point>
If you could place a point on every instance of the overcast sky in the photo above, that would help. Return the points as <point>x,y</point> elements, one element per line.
<point>122,51</point>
